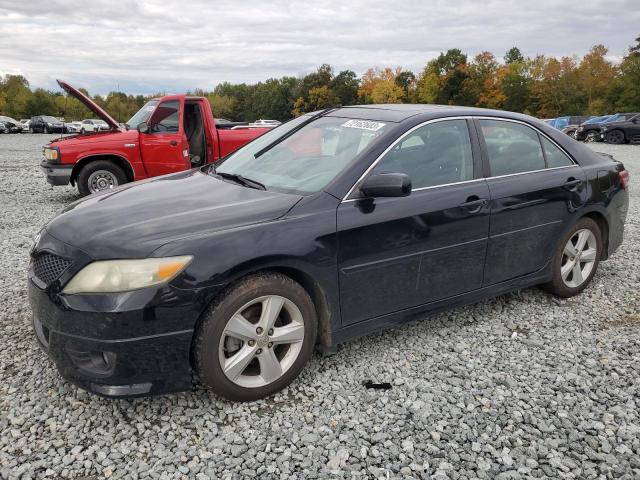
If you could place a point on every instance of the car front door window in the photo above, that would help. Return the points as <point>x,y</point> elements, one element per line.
<point>435,154</point>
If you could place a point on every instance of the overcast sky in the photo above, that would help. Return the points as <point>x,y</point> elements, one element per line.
<point>148,46</point>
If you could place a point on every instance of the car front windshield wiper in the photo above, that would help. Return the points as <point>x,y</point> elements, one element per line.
<point>246,182</point>
<point>321,113</point>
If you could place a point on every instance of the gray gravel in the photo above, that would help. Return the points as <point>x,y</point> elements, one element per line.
<point>520,386</point>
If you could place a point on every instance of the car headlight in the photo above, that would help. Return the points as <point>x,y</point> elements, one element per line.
<point>51,154</point>
<point>111,276</point>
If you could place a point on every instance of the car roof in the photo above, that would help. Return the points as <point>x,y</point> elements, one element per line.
<point>398,112</point>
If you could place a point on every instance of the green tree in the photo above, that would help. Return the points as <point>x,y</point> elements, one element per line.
<point>513,55</point>
<point>345,87</point>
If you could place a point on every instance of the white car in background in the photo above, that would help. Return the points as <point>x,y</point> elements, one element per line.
<point>73,127</point>
<point>25,125</point>
<point>266,123</point>
<point>90,125</point>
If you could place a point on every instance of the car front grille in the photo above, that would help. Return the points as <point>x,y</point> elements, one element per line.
<point>48,267</point>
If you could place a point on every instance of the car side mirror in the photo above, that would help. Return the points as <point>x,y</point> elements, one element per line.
<point>387,185</point>
<point>143,127</point>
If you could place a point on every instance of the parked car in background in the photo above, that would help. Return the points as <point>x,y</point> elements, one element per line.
<point>621,131</point>
<point>3,129</point>
<point>46,124</point>
<point>25,124</point>
<point>266,123</point>
<point>167,135</point>
<point>590,131</point>
<point>90,125</point>
<point>73,127</point>
<point>561,123</point>
<point>11,125</point>
<point>336,224</point>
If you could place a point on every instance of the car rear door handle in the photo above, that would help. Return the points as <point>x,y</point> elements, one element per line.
<point>173,143</point>
<point>474,204</point>
<point>572,182</point>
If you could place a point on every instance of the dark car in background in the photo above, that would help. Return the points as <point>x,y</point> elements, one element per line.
<point>622,131</point>
<point>11,125</point>
<point>561,123</point>
<point>590,131</point>
<point>331,226</point>
<point>46,124</point>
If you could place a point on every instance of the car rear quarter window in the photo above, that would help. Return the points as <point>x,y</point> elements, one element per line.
<point>555,156</point>
<point>434,154</point>
<point>511,147</point>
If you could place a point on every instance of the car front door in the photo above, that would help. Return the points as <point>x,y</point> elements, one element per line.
<point>397,253</point>
<point>164,147</point>
<point>535,186</point>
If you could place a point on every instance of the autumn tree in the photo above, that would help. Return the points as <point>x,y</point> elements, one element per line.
<point>595,75</point>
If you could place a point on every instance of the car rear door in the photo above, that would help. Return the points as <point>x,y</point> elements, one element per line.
<point>397,253</point>
<point>535,186</point>
<point>164,147</point>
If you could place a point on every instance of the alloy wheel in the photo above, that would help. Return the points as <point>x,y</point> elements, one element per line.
<point>101,180</point>
<point>261,341</point>
<point>616,137</point>
<point>578,258</point>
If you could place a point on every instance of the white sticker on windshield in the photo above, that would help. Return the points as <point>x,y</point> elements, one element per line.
<point>364,125</point>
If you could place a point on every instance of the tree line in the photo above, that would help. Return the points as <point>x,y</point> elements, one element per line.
<point>542,86</point>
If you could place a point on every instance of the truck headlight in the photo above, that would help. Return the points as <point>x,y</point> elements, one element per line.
<point>110,276</point>
<point>51,153</point>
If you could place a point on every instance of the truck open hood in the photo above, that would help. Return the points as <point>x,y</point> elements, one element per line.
<point>90,104</point>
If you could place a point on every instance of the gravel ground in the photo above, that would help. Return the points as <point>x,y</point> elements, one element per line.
<point>524,385</point>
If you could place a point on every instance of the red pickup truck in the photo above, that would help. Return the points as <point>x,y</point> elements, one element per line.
<point>168,134</point>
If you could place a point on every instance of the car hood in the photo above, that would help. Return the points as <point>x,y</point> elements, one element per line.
<point>90,104</point>
<point>134,220</point>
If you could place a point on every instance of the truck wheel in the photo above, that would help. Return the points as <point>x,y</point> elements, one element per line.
<point>256,338</point>
<point>98,176</point>
<point>615,136</point>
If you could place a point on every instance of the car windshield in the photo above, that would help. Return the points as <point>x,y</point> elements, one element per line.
<point>304,161</point>
<point>143,114</point>
<point>50,119</point>
<point>595,120</point>
<point>8,119</point>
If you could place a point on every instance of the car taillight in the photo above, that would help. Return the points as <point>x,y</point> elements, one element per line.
<point>624,178</point>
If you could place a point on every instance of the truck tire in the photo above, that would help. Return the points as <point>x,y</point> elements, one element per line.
<point>98,176</point>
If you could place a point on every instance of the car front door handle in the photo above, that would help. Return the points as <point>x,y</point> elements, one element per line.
<point>173,143</point>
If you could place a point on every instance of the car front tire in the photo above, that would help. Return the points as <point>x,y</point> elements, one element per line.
<point>256,338</point>
<point>576,259</point>
<point>616,137</point>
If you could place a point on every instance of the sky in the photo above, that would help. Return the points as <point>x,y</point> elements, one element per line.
<point>148,46</point>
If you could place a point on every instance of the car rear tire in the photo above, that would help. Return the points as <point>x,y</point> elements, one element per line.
<point>576,259</point>
<point>98,176</point>
<point>256,338</point>
<point>615,137</point>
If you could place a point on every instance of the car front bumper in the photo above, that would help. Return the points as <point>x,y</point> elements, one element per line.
<point>56,173</point>
<point>116,345</point>
<point>88,351</point>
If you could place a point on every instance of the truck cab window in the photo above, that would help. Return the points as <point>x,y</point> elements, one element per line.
<point>166,118</point>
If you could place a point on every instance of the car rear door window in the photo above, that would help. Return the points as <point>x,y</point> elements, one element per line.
<point>555,156</point>
<point>437,153</point>
<point>511,147</point>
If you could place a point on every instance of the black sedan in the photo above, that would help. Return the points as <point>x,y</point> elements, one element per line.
<point>622,131</point>
<point>46,124</point>
<point>326,228</point>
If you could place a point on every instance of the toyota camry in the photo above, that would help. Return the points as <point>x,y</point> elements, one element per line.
<point>333,225</point>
